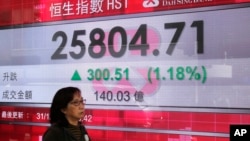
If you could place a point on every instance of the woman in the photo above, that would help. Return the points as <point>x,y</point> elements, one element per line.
<point>66,110</point>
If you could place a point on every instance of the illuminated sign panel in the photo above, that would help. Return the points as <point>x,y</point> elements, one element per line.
<point>16,12</point>
<point>173,70</point>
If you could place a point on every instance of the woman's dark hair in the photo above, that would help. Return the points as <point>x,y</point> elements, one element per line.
<point>60,101</point>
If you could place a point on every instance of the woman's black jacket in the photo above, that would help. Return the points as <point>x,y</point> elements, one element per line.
<point>60,133</point>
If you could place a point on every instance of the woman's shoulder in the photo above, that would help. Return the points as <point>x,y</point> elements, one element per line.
<point>53,132</point>
<point>55,128</point>
<point>85,133</point>
<point>83,128</point>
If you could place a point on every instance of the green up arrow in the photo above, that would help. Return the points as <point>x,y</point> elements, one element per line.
<point>76,76</point>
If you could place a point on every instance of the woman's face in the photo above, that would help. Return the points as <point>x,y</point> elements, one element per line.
<point>75,109</point>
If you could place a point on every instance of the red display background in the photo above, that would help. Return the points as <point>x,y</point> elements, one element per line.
<point>33,133</point>
<point>121,120</point>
